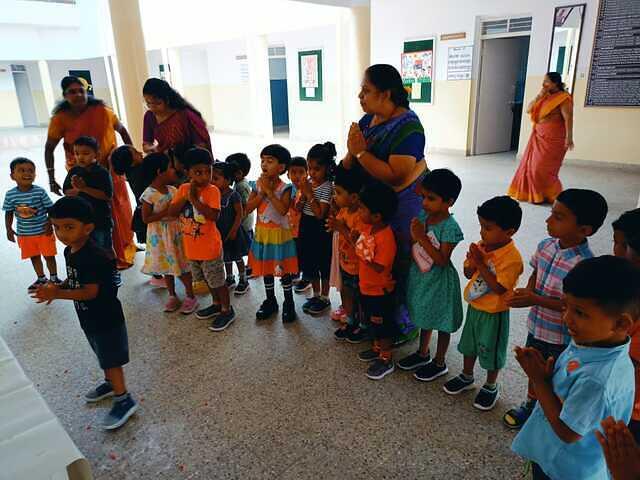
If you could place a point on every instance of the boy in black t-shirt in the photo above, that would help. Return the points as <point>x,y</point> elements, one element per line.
<point>89,284</point>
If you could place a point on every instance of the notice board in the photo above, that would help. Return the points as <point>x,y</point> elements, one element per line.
<point>614,79</point>
<point>310,75</point>
<point>417,62</point>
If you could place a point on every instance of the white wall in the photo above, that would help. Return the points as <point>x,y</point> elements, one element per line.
<point>10,112</point>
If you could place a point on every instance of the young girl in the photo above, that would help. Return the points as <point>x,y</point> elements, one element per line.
<point>273,251</point>
<point>234,237</point>
<point>164,253</point>
<point>297,173</point>
<point>315,242</point>
<point>242,167</point>
<point>434,298</point>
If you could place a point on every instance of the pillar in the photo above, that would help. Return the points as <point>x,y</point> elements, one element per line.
<point>258,60</point>
<point>132,62</point>
<point>47,87</point>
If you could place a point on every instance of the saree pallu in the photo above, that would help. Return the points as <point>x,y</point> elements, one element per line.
<point>181,131</point>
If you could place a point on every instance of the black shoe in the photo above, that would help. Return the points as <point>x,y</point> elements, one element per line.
<point>102,391</point>
<point>430,372</point>
<point>211,311</point>
<point>223,320</point>
<point>458,385</point>
<point>289,312</point>
<point>414,361</point>
<point>230,282</point>
<point>369,355</point>
<point>343,333</point>
<point>380,369</point>
<point>241,288</point>
<point>306,306</point>
<point>486,398</point>
<point>320,306</point>
<point>358,335</point>
<point>516,417</point>
<point>301,286</point>
<point>38,283</point>
<point>119,413</point>
<point>268,308</point>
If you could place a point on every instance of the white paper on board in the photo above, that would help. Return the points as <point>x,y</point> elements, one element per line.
<point>309,92</point>
<point>416,91</point>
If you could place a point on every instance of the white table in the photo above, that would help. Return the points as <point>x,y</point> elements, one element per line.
<point>33,443</point>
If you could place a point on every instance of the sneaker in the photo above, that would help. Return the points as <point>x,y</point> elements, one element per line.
<point>339,315</point>
<point>189,305</point>
<point>288,312</point>
<point>102,391</point>
<point>120,413</point>
<point>172,304</point>
<point>34,286</point>
<point>223,320</point>
<point>457,385</point>
<point>414,361</point>
<point>268,308</point>
<point>369,355</point>
<point>230,282</point>
<point>343,332</point>
<point>358,335</point>
<point>430,372</point>
<point>487,398</point>
<point>320,306</point>
<point>309,303</point>
<point>380,369</point>
<point>241,288</point>
<point>212,310</point>
<point>516,417</point>
<point>406,337</point>
<point>157,282</point>
<point>57,281</point>
<point>302,286</point>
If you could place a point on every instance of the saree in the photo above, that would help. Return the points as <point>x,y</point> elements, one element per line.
<point>99,122</point>
<point>536,179</point>
<point>181,131</point>
<point>402,135</point>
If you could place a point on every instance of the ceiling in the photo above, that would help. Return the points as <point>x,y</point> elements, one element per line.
<point>339,3</point>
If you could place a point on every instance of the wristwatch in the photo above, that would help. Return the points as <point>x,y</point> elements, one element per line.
<point>360,154</point>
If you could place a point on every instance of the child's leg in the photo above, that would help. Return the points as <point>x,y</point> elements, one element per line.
<point>425,340</point>
<point>187,281</point>
<point>269,287</point>
<point>52,266</point>
<point>36,261</point>
<point>115,376</point>
<point>492,377</point>
<point>468,364</point>
<point>222,296</point>
<point>242,273</point>
<point>170,282</point>
<point>315,283</point>
<point>287,288</point>
<point>346,297</point>
<point>228,268</point>
<point>443,345</point>
<point>324,292</point>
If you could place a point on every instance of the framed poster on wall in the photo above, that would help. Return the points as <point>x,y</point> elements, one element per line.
<point>417,69</point>
<point>310,75</point>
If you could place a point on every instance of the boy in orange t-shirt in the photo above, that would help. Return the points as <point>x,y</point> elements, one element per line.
<point>198,205</point>
<point>376,251</point>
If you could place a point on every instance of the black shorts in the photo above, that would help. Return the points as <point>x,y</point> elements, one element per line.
<point>111,346</point>
<point>316,245</point>
<point>349,281</point>
<point>546,349</point>
<point>379,306</point>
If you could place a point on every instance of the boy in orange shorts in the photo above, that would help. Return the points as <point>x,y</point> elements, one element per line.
<point>29,204</point>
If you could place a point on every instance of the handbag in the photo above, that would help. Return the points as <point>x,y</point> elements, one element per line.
<point>421,257</point>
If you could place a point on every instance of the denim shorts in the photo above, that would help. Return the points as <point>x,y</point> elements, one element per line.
<point>111,346</point>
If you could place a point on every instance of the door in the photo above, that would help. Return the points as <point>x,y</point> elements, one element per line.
<point>499,75</point>
<point>25,99</point>
<point>279,94</point>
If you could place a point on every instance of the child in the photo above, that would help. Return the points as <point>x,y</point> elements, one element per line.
<point>198,205</point>
<point>493,267</point>
<point>90,285</point>
<point>242,167</point>
<point>128,161</point>
<point>376,250</point>
<point>347,185</point>
<point>164,255</point>
<point>590,381</point>
<point>297,173</point>
<point>433,297</point>
<point>273,251</point>
<point>235,242</point>
<point>29,203</point>
<point>576,214</point>
<point>621,450</point>
<point>625,227</point>
<point>315,241</point>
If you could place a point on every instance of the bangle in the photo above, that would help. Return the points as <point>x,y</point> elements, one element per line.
<point>360,154</point>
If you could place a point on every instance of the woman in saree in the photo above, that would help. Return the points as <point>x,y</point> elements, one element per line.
<point>388,144</point>
<point>79,115</point>
<point>536,180</point>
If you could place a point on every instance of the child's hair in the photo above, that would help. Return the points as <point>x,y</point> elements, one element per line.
<point>628,223</point>
<point>299,162</point>
<point>380,198</point>
<point>612,282</point>
<point>350,180</point>
<point>72,207</point>
<point>589,207</point>
<point>325,155</point>
<point>196,156</point>
<point>504,211</point>
<point>633,241</point>
<point>279,153</point>
<point>20,161</point>
<point>154,163</point>
<point>227,170</point>
<point>444,183</point>
<point>122,159</point>
<point>241,162</point>
<point>87,141</point>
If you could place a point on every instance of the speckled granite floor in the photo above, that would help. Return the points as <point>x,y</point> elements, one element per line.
<point>269,401</point>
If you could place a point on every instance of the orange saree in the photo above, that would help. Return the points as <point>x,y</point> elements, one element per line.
<point>99,121</point>
<point>536,180</point>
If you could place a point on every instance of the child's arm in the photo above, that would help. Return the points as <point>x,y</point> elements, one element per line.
<point>281,204</point>
<point>540,372</point>
<point>50,292</point>
<point>236,222</point>
<point>253,202</point>
<point>527,297</point>
<point>80,185</point>
<point>149,217</point>
<point>319,209</point>
<point>621,451</point>
<point>176,206</point>
<point>208,212</point>
<point>8,222</point>
<point>441,256</point>
<point>477,260</point>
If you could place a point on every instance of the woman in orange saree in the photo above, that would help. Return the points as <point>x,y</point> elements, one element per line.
<point>536,180</point>
<point>80,115</point>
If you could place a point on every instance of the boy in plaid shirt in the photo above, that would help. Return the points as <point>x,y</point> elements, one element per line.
<point>576,215</point>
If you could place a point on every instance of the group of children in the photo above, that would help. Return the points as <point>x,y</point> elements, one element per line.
<point>577,355</point>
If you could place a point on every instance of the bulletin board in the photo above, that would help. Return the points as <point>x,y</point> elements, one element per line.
<point>310,75</point>
<point>417,69</point>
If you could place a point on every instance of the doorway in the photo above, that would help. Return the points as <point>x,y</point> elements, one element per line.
<point>25,98</point>
<point>500,103</point>
<point>278,88</point>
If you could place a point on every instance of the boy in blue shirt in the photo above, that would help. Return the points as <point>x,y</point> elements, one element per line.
<point>591,380</point>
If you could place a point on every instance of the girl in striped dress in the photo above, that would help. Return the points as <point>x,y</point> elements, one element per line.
<point>273,250</point>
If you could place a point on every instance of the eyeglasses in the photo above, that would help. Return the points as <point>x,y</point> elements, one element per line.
<point>74,91</point>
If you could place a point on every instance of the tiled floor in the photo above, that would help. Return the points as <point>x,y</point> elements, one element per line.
<point>269,401</point>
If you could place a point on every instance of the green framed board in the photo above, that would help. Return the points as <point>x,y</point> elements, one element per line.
<point>310,75</point>
<point>417,67</point>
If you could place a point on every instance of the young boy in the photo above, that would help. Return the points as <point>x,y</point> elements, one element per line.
<point>198,205</point>
<point>590,381</point>
<point>28,203</point>
<point>576,215</point>
<point>297,173</point>
<point>376,251</point>
<point>348,223</point>
<point>90,285</point>
<point>493,267</point>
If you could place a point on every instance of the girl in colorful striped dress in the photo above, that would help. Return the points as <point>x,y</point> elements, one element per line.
<point>273,250</point>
